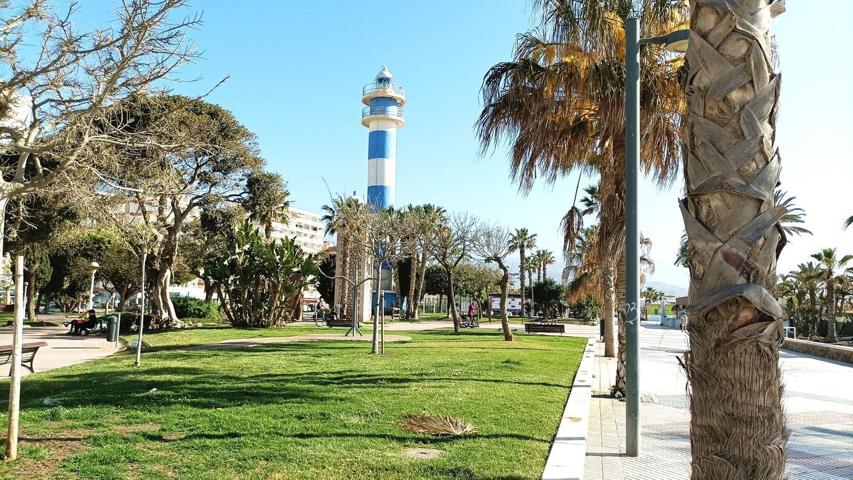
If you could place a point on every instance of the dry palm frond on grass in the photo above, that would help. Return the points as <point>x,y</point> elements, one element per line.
<point>438,425</point>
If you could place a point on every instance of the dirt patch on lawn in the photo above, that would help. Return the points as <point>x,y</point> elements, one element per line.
<point>56,448</point>
<point>319,337</point>
<point>134,428</point>
<point>421,453</point>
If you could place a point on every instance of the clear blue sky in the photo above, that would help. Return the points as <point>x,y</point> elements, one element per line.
<point>297,68</point>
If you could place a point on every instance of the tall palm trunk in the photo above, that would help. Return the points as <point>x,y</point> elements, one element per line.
<point>831,334</point>
<point>608,305</point>
<point>731,168</point>
<point>451,300</point>
<point>813,309</point>
<point>621,339</point>
<point>522,267</point>
<point>422,264</point>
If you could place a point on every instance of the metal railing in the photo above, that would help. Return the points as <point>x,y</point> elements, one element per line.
<point>387,111</point>
<point>384,88</point>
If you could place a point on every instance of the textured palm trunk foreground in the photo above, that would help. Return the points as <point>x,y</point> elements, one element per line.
<point>731,168</point>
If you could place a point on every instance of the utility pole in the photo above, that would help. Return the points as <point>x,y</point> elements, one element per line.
<point>632,235</point>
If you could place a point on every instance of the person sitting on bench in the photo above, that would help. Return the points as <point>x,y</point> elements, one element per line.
<point>78,326</point>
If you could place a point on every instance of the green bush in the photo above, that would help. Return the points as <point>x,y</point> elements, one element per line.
<point>188,307</point>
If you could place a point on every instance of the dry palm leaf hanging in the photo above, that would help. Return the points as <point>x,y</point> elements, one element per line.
<point>438,425</point>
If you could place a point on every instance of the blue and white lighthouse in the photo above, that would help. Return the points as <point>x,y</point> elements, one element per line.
<point>383,115</point>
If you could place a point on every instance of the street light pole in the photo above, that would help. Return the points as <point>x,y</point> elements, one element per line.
<point>676,42</point>
<point>93,267</point>
<point>632,235</point>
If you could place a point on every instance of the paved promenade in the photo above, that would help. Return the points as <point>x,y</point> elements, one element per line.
<point>61,350</point>
<point>818,402</point>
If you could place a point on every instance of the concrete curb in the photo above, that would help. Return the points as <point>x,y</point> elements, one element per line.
<point>568,452</point>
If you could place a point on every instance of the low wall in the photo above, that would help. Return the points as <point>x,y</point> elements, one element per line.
<point>832,352</point>
<point>567,458</point>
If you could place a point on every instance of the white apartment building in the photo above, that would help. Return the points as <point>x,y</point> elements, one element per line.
<point>306,227</point>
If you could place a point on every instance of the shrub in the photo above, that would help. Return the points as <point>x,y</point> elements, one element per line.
<point>188,307</point>
<point>262,281</point>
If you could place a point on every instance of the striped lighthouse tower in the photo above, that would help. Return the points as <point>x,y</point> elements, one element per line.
<point>383,115</point>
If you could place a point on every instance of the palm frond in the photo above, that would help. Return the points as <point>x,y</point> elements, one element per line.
<point>437,425</point>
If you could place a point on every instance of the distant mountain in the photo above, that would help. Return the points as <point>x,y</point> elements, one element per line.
<point>668,289</point>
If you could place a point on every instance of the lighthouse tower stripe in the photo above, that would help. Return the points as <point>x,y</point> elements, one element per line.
<point>382,161</point>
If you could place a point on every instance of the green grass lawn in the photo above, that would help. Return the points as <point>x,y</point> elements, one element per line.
<point>298,410</point>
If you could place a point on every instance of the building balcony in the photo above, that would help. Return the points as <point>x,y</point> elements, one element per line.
<point>376,113</point>
<point>374,90</point>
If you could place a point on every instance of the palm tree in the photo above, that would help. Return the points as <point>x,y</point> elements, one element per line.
<point>266,200</point>
<point>523,241</point>
<point>848,222</point>
<point>429,220</point>
<point>831,271</point>
<point>790,222</point>
<point>806,275</point>
<point>731,169</point>
<point>560,101</point>
<point>532,267</point>
<point>546,257</point>
<point>338,218</point>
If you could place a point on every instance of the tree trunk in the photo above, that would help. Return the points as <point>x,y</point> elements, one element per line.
<point>522,267</point>
<point>608,307</point>
<point>160,295</point>
<point>422,265</point>
<point>413,275</point>
<point>161,300</point>
<point>377,305</point>
<point>504,295</point>
<point>451,300</point>
<point>831,334</point>
<point>208,292</point>
<point>30,279</point>
<point>621,338</point>
<point>122,298</point>
<point>731,169</point>
<point>813,310</point>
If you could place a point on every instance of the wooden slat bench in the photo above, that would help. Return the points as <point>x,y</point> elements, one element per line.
<point>544,327</point>
<point>28,354</point>
<point>338,323</point>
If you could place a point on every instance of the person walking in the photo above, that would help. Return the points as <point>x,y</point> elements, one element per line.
<point>471,311</point>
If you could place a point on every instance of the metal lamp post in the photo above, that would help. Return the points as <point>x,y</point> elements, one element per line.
<point>677,42</point>
<point>93,268</point>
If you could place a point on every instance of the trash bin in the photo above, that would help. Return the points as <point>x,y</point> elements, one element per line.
<point>112,329</point>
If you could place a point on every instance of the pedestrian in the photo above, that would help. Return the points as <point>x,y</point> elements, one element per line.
<point>471,311</point>
<point>683,320</point>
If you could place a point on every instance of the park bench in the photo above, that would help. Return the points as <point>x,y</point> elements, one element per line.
<point>28,354</point>
<point>90,326</point>
<point>338,322</point>
<point>544,327</point>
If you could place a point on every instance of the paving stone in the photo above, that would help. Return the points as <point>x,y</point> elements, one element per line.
<point>818,402</point>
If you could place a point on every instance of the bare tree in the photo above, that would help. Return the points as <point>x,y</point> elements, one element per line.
<point>55,94</point>
<point>385,231</point>
<point>493,244</point>
<point>451,246</point>
<point>52,97</point>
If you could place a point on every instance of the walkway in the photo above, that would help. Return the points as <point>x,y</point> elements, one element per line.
<point>818,401</point>
<point>61,350</point>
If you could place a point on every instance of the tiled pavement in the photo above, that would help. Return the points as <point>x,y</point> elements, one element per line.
<point>61,350</point>
<point>818,403</point>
